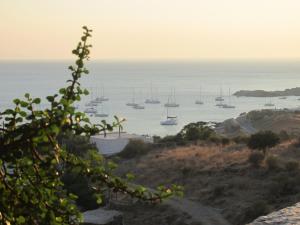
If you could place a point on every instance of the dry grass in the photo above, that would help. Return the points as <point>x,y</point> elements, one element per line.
<point>220,177</point>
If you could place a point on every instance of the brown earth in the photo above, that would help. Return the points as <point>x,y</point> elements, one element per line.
<point>221,178</point>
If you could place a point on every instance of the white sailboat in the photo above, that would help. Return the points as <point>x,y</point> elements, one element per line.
<point>269,104</point>
<point>283,97</point>
<point>199,101</point>
<point>90,110</point>
<point>220,97</point>
<point>152,100</point>
<point>228,106</point>
<point>132,103</point>
<point>170,121</point>
<point>173,102</point>
<point>92,102</point>
<point>101,114</point>
<point>138,106</point>
<point>103,98</point>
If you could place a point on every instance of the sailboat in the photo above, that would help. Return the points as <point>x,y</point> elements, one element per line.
<point>170,121</point>
<point>152,100</point>
<point>172,103</point>
<point>198,101</point>
<point>138,106</point>
<point>103,98</point>
<point>228,106</point>
<point>132,103</point>
<point>283,97</point>
<point>90,110</point>
<point>269,104</point>
<point>220,97</point>
<point>92,103</point>
<point>102,114</point>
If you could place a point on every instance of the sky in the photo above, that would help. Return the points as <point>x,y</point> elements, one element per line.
<point>151,29</point>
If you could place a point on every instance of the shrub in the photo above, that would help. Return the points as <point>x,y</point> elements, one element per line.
<point>214,139</point>
<point>256,158</point>
<point>225,141</point>
<point>186,171</point>
<point>219,190</point>
<point>33,161</point>
<point>134,148</point>
<point>283,185</point>
<point>263,140</point>
<point>273,163</point>
<point>257,209</point>
<point>292,166</point>
<point>283,135</point>
<point>196,131</point>
<point>241,139</point>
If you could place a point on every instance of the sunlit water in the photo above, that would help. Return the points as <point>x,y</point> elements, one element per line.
<point>120,80</point>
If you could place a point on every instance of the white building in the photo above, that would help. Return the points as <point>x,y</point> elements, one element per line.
<point>113,143</point>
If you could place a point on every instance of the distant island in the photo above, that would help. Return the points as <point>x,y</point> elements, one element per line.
<point>261,93</point>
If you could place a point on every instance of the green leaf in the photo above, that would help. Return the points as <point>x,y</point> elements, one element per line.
<point>36,101</point>
<point>21,220</point>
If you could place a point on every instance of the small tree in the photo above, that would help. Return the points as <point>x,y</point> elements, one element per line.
<point>263,140</point>
<point>196,131</point>
<point>33,161</point>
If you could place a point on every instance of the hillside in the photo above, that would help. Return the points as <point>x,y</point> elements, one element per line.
<point>254,121</point>
<point>262,93</point>
<point>222,178</point>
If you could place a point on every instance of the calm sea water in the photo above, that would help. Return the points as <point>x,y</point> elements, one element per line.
<point>120,80</point>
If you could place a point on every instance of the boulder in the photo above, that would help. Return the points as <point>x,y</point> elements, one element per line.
<point>102,216</point>
<point>286,216</point>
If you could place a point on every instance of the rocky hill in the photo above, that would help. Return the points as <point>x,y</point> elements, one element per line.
<point>248,123</point>
<point>262,93</point>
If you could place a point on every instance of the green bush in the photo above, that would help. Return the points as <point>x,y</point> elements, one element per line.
<point>263,140</point>
<point>225,141</point>
<point>214,139</point>
<point>134,148</point>
<point>273,163</point>
<point>33,161</point>
<point>256,158</point>
<point>241,139</point>
<point>197,131</point>
<point>292,165</point>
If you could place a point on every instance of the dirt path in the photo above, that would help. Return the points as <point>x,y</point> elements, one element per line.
<point>199,213</point>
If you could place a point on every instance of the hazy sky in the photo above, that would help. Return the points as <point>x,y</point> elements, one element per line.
<point>152,29</point>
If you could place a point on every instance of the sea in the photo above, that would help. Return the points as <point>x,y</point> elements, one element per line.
<point>180,81</point>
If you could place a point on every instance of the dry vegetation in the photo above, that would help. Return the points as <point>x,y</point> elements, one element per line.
<point>223,178</point>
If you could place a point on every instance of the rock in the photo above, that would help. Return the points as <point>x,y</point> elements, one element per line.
<point>262,93</point>
<point>102,216</point>
<point>286,216</point>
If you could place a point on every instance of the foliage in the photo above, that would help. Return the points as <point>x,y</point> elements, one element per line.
<point>273,162</point>
<point>241,139</point>
<point>190,133</point>
<point>292,165</point>
<point>257,209</point>
<point>134,148</point>
<point>256,158</point>
<point>263,140</point>
<point>283,135</point>
<point>196,131</point>
<point>74,183</point>
<point>32,161</point>
<point>225,141</point>
<point>283,185</point>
